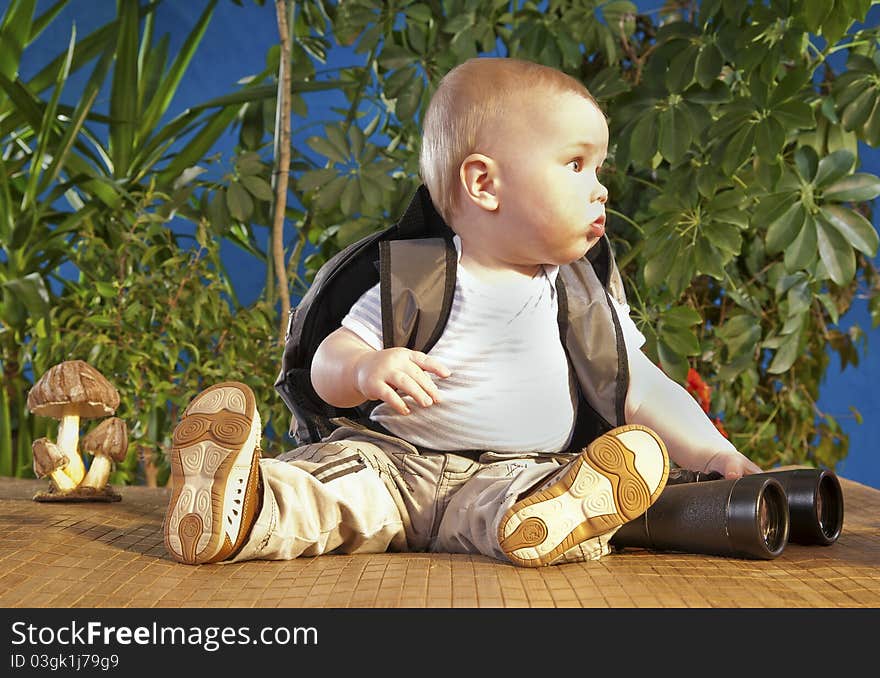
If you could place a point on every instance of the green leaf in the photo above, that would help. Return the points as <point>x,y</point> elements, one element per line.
<point>313,179</point>
<point>257,187</point>
<point>835,25</point>
<point>803,250</point>
<point>789,87</point>
<point>836,253</point>
<point>643,139</point>
<point>771,207</point>
<point>769,139</point>
<point>853,188</point>
<point>15,34</point>
<point>419,12</point>
<point>336,137</point>
<point>350,200</point>
<point>858,231</point>
<point>832,167</point>
<point>672,363</point>
<point>709,64</point>
<point>681,316</point>
<point>394,56</point>
<point>32,293</point>
<point>815,12</point>
<point>329,195</point>
<point>871,128</point>
<point>708,260</point>
<point>409,101</point>
<point>830,306</point>
<point>45,132</point>
<point>807,162</point>
<point>239,202</point>
<point>324,147</point>
<point>794,115</point>
<point>786,354</point>
<point>681,69</point>
<point>799,297</point>
<point>123,93</point>
<point>725,236</point>
<point>856,114</point>
<point>782,232</point>
<point>675,134</point>
<point>768,173</point>
<point>217,212</point>
<point>740,334</point>
<point>680,339</point>
<point>739,148</point>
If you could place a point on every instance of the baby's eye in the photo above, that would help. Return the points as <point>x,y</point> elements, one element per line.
<point>575,164</point>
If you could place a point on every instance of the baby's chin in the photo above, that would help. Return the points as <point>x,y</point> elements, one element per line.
<point>591,242</point>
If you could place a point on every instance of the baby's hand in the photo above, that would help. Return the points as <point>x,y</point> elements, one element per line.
<point>731,465</point>
<point>381,374</point>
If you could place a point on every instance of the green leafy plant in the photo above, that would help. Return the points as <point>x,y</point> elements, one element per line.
<point>739,217</point>
<point>155,314</point>
<point>66,170</point>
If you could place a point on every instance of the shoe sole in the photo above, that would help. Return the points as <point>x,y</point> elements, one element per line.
<point>214,459</point>
<point>601,491</point>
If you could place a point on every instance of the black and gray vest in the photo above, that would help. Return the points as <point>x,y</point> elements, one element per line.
<point>415,263</point>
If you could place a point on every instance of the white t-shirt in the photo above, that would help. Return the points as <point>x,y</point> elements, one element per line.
<point>511,387</point>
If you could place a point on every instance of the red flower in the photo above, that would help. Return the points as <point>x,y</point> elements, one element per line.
<point>720,427</point>
<point>699,389</point>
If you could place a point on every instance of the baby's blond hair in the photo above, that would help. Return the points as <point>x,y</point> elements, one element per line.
<point>469,102</point>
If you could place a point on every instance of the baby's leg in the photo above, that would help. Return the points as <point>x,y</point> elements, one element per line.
<point>321,498</point>
<point>537,513</point>
<point>228,504</point>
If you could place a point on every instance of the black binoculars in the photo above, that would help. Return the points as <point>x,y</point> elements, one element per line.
<point>750,517</point>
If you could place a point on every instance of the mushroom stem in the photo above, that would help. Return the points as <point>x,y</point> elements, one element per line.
<point>49,461</point>
<point>68,438</point>
<point>99,472</point>
<point>62,481</point>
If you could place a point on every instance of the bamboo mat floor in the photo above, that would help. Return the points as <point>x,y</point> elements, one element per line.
<point>110,555</point>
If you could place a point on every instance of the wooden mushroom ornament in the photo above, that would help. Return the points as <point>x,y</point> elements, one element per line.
<point>108,443</point>
<point>70,391</point>
<point>50,461</point>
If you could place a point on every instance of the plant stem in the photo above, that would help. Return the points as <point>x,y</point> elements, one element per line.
<point>281,174</point>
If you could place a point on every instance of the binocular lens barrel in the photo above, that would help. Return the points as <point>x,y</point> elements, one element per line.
<point>745,517</point>
<point>815,504</point>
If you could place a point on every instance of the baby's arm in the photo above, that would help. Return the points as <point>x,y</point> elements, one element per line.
<point>656,401</point>
<point>346,371</point>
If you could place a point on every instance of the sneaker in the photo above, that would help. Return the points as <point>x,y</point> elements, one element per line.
<point>612,481</point>
<point>215,474</point>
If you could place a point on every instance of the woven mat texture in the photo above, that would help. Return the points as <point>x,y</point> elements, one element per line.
<point>110,555</point>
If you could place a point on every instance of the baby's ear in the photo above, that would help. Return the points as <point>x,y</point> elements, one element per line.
<point>478,174</point>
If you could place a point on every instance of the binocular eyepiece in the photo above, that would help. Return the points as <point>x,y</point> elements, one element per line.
<point>750,517</point>
<point>815,505</point>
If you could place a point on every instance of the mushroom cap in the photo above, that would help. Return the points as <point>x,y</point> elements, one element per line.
<point>109,438</point>
<point>73,387</point>
<point>48,457</point>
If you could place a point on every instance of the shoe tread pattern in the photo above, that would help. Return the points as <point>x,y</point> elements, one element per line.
<point>214,475</point>
<point>606,461</point>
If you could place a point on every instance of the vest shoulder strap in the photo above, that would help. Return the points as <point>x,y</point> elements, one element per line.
<point>416,286</point>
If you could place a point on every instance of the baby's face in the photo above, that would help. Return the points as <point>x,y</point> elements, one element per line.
<point>551,200</point>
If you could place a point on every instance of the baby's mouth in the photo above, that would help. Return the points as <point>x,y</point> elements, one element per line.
<point>597,228</point>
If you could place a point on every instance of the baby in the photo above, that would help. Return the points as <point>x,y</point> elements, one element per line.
<point>529,432</point>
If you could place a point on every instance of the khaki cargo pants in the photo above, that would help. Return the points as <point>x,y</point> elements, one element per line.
<point>359,491</point>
